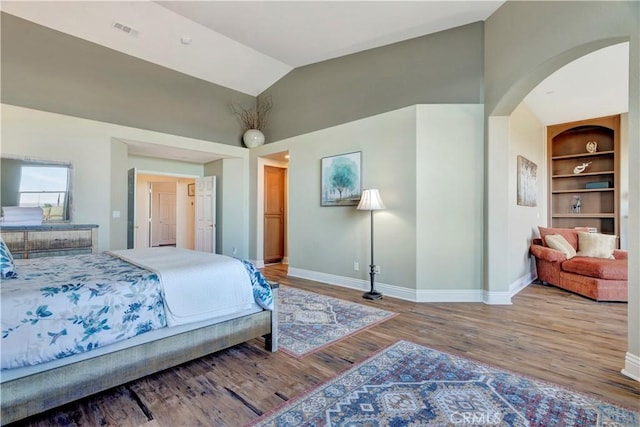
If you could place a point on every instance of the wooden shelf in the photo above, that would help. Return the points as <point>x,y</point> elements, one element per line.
<point>582,190</point>
<point>580,155</point>
<point>576,175</point>
<point>584,215</point>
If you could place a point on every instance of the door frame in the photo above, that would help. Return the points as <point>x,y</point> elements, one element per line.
<point>262,162</point>
<point>157,208</point>
<point>210,233</point>
<point>183,201</point>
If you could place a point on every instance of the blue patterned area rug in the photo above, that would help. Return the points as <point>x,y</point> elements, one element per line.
<point>410,385</point>
<point>308,322</point>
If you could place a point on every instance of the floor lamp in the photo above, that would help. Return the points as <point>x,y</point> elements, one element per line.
<point>371,201</point>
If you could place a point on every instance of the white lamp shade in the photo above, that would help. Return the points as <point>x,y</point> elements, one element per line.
<point>370,200</point>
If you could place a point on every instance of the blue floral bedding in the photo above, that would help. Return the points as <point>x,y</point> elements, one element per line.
<point>60,306</point>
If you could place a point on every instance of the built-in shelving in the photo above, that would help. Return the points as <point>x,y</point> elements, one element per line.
<point>567,148</point>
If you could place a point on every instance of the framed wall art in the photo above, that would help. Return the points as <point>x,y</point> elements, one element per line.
<point>341,179</point>
<point>527,171</point>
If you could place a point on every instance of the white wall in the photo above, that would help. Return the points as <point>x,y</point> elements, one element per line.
<point>527,139</point>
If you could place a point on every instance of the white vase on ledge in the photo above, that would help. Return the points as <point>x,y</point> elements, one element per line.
<point>253,138</point>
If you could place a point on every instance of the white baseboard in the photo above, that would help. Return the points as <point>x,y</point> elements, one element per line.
<point>420,295</point>
<point>632,366</point>
<point>497,298</point>
<point>259,263</point>
<point>449,295</point>
<point>522,283</point>
<point>504,297</point>
<point>435,295</point>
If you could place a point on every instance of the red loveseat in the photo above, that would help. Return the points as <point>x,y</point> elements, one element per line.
<point>600,279</point>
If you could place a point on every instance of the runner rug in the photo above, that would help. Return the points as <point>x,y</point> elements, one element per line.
<point>308,322</point>
<point>410,385</point>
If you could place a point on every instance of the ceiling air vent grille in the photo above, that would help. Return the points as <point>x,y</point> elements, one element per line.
<point>125,28</point>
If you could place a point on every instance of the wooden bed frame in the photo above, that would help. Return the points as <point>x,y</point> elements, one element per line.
<point>32,394</point>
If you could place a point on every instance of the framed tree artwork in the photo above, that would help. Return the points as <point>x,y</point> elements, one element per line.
<point>341,179</point>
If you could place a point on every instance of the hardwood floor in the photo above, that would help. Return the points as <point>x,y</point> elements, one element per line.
<point>547,333</point>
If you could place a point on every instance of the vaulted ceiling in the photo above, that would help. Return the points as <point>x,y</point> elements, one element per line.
<point>249,45</point>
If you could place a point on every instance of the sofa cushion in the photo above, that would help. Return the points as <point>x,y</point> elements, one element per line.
<point>556,241</point>
<point>570,234</point>
<point>600,268</point>
<point>596,245</point>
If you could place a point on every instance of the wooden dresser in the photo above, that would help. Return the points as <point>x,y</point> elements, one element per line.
<point>50,240</point>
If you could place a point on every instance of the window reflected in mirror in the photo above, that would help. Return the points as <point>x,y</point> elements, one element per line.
<point>38,183</point>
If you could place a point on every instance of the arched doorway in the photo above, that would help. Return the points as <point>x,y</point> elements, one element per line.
<point>497,182</point>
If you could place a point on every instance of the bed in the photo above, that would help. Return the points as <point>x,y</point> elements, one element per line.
<point>92,322</point>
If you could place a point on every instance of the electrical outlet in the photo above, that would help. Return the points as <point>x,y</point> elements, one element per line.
<point>356,266</point>
<point>234,251</point>
<point>377,269</point>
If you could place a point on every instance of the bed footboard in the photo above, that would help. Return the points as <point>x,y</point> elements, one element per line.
<point>30,395</point>
<point>271,339</point>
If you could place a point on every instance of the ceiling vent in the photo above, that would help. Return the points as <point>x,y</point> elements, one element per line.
<point>125,28</point>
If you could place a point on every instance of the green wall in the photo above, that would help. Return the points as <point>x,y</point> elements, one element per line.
<point>51,71</point>
<point>441,68</point>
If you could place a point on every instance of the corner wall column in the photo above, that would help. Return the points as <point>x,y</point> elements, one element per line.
<point>496,289</point>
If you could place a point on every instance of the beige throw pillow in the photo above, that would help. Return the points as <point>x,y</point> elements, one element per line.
<point>596,245</point>
<point>558,242</point>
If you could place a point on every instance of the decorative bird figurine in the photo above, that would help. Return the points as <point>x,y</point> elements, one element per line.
<point>581,168</point>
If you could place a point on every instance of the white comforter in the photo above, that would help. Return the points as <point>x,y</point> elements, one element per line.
<point>196,285</point>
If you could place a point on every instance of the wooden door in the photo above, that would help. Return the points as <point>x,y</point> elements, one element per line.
<point>274,214</point>
<point>206,214</point>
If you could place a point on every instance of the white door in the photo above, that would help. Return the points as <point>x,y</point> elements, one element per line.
<point>166,219</point>
<point>206,214</point>
<point>143,215</point>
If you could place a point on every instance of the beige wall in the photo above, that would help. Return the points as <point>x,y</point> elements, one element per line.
<point>519,53</point>
<point>100,162</point>
<point>327,240</point>
<point>527,139</point>
<point>54,137</point>
<point>449,194</point>
<point>426,161</point>
<point>330,239</point>
<point>232,205</point>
